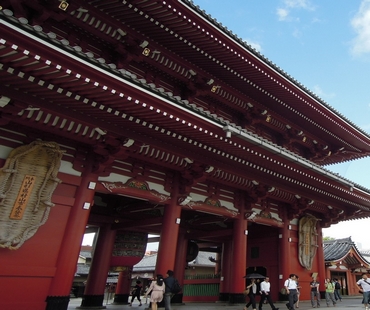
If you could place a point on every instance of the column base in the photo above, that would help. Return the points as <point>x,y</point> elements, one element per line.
<point>92,302</point>
<point>236,298</point>
<point>57,302</point>
<point>223,297</point>
<point>121,299</point>
<point>177,299</point>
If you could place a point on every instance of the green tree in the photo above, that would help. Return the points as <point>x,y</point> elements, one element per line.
<point>328,238</point>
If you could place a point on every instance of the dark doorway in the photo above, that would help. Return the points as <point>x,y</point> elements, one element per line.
<point>341,276</point>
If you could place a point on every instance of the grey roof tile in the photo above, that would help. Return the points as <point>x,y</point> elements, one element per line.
<point>337,249</point>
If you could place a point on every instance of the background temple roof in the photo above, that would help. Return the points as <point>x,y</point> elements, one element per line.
<point>343,250</point>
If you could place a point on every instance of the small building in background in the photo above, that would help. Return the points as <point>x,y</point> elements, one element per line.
<point>202,267</point>
<point>345,262</point>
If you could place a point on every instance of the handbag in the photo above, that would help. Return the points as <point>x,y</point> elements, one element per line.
<point>246,292</point>
<point>283,291</point>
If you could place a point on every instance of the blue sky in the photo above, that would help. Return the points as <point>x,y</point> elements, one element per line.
<point>324,45</point>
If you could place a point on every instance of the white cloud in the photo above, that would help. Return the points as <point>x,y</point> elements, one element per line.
<point>361,25</point>
<point>303,4</point>
<point>288,5</point>
<point>282,13</point>
<point>321,93</point>
<point>354,229</point>
<point>257,46</point>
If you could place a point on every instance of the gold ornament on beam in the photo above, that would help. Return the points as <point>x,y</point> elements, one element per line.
<point>146,51</point>
<point>63,5</point>
<point>215,88</point>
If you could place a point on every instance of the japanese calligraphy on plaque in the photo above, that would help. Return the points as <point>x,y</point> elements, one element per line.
<point>23,197</point>
<point>307,240</point>
<point>27,181</point>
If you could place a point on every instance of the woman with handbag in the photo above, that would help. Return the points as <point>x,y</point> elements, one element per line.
<point>157,288</point>
<point>251,291</point>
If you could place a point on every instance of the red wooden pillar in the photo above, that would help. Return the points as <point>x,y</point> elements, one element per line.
<point>284,247</point>
<point>225,279</point>
<point>181,250</point>
<point>96,281</point>
<point>169,234</point>
<point>239,253</point>
<point>218,265</point>
<point>122,293</point>
<point>61,283</point>
<point>179,269</point>
<point>321,260</point>
<point>168,241</point>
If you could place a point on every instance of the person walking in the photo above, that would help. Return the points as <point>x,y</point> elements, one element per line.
<point>329,292</point>
<point>265,294</point>
<point>337,288</point>
<point>169,282</point>
<point>364,286</point>
<point>252,294</point>
<point>258,283</point>
<point>298,291</point>
<point>315,293</point>
<point>136,292</point>
<point>156,289</point>
<point>291,288</point>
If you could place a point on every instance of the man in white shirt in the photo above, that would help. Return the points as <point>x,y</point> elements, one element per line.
<point>265,293</point>
<point>364,286</point>
<point>291,288</point>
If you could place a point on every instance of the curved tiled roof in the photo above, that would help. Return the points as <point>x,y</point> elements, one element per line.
<point>264,59</point>
<point>85,254</point>
<point>337,249</point>
<point>148,262</point>
<point>230,88</point>
<point>343,250</point>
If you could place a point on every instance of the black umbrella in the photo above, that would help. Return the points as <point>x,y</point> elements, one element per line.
<point>254,276</point>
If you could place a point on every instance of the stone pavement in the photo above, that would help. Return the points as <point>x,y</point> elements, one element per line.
<point>347,303</point>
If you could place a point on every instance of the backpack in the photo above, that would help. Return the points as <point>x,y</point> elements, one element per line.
<point>176,287</point>
<point>337,286</point>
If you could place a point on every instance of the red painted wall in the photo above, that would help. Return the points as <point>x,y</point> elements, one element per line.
<point>26,273</point>
<point>267,240</point>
